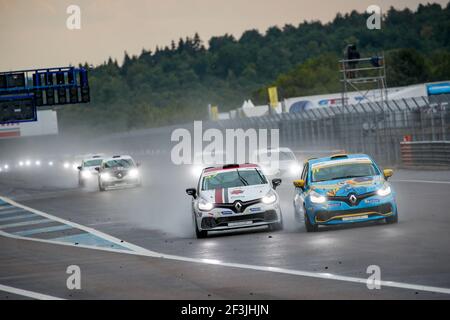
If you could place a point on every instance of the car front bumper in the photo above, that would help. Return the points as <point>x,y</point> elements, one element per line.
<point>339,212</point>
<point>93,176</point>
<point>118,183</point>
<point>220,219</point>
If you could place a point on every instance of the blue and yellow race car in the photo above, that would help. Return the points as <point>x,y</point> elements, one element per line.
<point>343,189</point>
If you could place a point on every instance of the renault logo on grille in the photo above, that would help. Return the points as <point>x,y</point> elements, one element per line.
<point>238,206</point>
<point>352,198</point>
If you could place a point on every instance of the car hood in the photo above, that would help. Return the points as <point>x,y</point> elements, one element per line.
<point>229,195</point>
<point>343,187</point>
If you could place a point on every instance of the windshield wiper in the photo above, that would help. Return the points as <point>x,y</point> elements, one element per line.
<point>350,176</point>
<point>241,178</point>
<point>343,177</point>
<point>259,174</point>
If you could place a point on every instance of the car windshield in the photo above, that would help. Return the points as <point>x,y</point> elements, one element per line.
<point>342,171</point>
<point>232,179</point>
<point>284,155</point>
<point>123,163</point>
<point>93,163</point>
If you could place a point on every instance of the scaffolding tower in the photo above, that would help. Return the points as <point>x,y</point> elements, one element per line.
<point>367,76</point>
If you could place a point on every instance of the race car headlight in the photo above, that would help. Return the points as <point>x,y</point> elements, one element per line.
<point>86,174</point>
<point>269,198</point>
<point>316,197</point>
<point>205,205</point>
<point>134,173</point>
<point>105,176</point>
<point>384,190</point>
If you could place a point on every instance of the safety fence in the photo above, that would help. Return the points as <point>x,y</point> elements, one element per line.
<point>375,128</point>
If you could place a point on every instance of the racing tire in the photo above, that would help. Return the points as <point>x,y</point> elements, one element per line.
<point>277,226</point>
<point>309,226</point>
<point>392,219</point>
<point>101,187</point>
<point>199,234</point>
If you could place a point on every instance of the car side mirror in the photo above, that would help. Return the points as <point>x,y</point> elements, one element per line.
<point>97,168</point>
<point>192,192</point>
<point>79,167</point>
<point>276,183</point>
<point>138,164</point>
<point>299,183</point>
<point>387,173</point>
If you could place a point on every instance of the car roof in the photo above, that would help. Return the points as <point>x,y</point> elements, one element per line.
<point>96,158</point>
<point>230,167</point>
<point>339,157</point>
<point>117,157</point>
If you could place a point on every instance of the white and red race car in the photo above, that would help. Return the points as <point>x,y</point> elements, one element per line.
<point>234,196</point>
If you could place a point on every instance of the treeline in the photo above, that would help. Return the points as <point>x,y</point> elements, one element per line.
<point>175,83</point>
<point>320,75</point>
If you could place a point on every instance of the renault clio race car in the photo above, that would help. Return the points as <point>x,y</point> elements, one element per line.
<point>118,171</point>
<point>87,170</point>
<point>286,164</point>
<point>234,196</point>
<point>343,189</point>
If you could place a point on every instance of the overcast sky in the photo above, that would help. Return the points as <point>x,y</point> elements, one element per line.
<point>33,33</point>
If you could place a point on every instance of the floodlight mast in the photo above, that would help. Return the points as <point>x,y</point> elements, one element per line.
<point>366,75</point>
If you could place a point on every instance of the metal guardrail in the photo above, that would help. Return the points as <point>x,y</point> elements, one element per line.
<point>425,154</point>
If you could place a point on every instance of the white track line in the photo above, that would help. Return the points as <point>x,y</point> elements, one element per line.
<point>29,294</point>
<point>140,251</point>
<point>74,225</point>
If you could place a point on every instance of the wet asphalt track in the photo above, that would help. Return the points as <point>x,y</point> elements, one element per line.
<point>157,217</point>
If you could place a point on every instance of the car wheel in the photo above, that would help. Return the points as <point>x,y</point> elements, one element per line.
<point>297,215</point>
<point>392,219</point>
<point>199,234</point>
<point>101,187</point>
<point>309,226</point>
<point>277,226</point>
